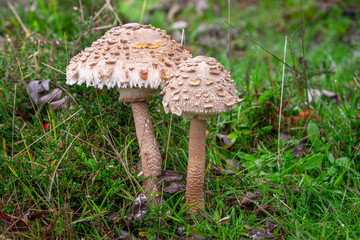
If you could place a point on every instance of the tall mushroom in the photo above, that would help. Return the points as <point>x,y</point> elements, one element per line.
<point>200,90</point>
<point>137,59</point>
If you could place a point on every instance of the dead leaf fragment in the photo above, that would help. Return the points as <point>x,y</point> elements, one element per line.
<point>45,84</point>
<point>284,137</point>
<point>124,235</point>
<point>174,187</point>
<point>54,95</point>
<point>138,209</point>
<point>265,233</point>
<point>170,175</point>
<point>224,138</point>
<point>34,88</point>
<point>249,198</point>
<point>298,151</point>
<point>8,218</point>
<point>229,170</point>
<point>315,94</point>
<point>259,234</point>
<point>60,104</point>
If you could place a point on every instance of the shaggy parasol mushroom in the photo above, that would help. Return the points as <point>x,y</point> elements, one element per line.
<point>138,60</point>
<point>201,89</point>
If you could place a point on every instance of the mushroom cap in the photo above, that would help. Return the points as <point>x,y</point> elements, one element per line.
<point>127,56</point>
<point>201,88</point>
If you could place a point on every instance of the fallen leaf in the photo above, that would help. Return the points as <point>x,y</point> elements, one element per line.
<point>53,96</point>
<point>224,138</point>
<point>180,25</point>
<point>249,198</point>
<point>138,209</point>
<point>45,84</point>
<point>298,151</point>
<point>284,137</point>
<point>123,235</point>
<point>7,217</point>
<point>34,89</point>
<point>228,171</point>
<point>170,175</point>
<point>265,233</point>
<point>315,94</point>
<point>60,104</point>
<point>174,187</point>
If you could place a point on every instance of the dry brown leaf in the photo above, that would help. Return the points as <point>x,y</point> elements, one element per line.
<point>298,151</point>
<point>175,187</point>
<point>170,175</point>
<point>138,209</point>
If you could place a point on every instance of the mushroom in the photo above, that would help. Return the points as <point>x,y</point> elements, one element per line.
<point>200,90</point>
<point>138,60</point>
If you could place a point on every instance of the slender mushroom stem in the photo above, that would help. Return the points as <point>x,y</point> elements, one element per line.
<point>196,165</point>
<point>149,150</point>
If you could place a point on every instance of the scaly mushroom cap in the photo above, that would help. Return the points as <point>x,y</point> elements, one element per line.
<point>201,88</point>
<point>128,56</point>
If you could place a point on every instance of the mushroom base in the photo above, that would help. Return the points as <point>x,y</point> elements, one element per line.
<point>196,165</point>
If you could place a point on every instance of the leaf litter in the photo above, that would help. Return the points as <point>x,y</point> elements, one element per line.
<point>138,209</point>
<point>53,99</point>
<point>175,187</point>
<point>170,175</point>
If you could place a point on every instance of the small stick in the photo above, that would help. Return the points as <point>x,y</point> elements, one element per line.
<point>281,102</point>
<point>142,12</point>
<point>263,48</point>
<point>26,30</point>
<point>182,37</point>
<point>229,37</point>
<point>55,69</point>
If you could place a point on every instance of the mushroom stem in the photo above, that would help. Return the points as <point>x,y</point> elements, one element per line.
<point>196,165</point>
<point>149,150</point>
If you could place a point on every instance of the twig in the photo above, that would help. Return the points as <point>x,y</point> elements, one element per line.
<point>271,76</point>
<point>26,30</point>
<point>13,124</point>
<point>81,10</point>
<point>107,4</point>
<point>142,12</point>
<point>229,36</point>
<point>303,53</point>
<point>55,69</point>
<point>281,102</point>
<point>258,44</point>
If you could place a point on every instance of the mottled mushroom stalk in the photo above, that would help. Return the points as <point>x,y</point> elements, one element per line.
<point>138,60</point>
<point>200,90</point>
<point>196,164</point>
<point>149,150</point>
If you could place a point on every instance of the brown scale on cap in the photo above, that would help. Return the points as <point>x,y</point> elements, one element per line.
<point>143,49</point>
<point>204,88</point>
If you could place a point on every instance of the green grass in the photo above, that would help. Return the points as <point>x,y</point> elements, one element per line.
<point>86,164</point>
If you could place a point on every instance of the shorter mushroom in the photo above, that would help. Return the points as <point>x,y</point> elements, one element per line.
<point>200,90</point>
